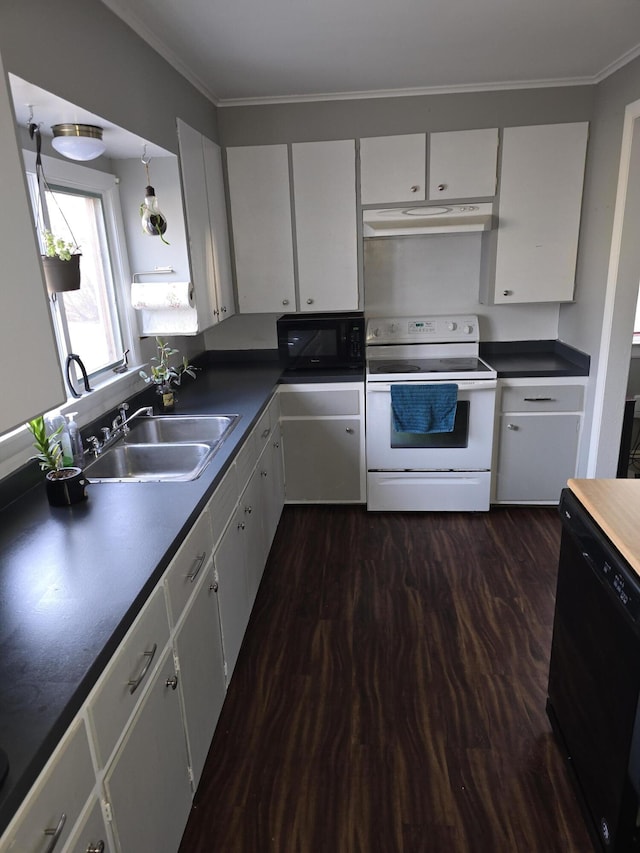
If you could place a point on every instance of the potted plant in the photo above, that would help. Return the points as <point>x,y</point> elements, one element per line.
<point>164,375</point>
<point>61,262</point>
<point>65,485</point>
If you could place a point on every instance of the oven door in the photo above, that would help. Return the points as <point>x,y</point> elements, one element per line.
<point>467,448</point>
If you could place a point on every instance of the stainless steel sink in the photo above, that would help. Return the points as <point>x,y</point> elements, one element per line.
<point>151,462</point>
<point>162,448</point>
<point>180,428</point>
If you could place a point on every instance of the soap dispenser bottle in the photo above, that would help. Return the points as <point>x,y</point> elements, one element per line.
<point>75,440</point>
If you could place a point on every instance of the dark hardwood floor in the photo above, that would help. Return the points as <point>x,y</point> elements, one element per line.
<point>389,696</point>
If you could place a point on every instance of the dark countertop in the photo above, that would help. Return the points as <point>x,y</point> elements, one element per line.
<point>519,359</point>
<point>72,579</point>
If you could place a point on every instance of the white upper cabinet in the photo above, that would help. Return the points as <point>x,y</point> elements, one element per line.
<point>324,184</point>
<point>219,229</point>
<point>463,164</point>
<point>23,292</point>
<point>393,168</point>
<point>260,198</point>
<point>203,187</point>
<point>541,181</point>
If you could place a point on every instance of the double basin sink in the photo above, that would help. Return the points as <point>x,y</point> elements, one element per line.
<point>162,448</point>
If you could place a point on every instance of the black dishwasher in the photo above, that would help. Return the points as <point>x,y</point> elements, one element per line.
<point>594,677</point>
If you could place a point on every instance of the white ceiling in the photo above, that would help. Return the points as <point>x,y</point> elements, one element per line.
<point>256,50</point>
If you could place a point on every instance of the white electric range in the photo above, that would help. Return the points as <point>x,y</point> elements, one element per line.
<point>428,470</point>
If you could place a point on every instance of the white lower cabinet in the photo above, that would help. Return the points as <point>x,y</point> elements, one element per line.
<point>323,439</point>
<point>152,714</point>
<point>538,433</point>
<point>90,835</point>
<point>44,822</point>
<point>147,785</point>
<point>233,588</point>
<point>198,645</point>
<point>271,468</point>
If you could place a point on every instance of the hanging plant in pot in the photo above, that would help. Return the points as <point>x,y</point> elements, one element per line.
<point>61,263</point>
<point>65,485</point>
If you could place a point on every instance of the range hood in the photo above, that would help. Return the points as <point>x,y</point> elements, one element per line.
<point>441,219</point>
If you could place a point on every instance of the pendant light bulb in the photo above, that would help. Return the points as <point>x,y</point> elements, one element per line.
<point>154,222</point>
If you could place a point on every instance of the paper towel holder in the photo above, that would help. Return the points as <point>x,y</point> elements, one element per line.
<point>154,271</point>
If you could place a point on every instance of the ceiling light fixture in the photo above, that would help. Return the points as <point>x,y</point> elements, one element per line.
<point>78,141</point>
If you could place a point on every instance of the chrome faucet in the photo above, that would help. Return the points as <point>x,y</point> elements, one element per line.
<point>118,429</point>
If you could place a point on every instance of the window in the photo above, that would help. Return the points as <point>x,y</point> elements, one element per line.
<point>83,207</point>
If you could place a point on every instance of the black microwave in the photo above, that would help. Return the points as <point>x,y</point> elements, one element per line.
<point>316,341</point>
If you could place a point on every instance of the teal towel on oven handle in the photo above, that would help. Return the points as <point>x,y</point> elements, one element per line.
<point>424,408</point>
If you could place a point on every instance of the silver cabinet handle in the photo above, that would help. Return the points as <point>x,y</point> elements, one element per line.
<point>285,301</point>
<point>134,683</point>
<point>55,833</point>
<point>539,399</point>
<point>248,510</point>
<point>442,187</point>
<point>513,427</point>
<point>96,848</point>
<point>414,188</point>
<point>350,430</point>
<point>263,474</point>
<point>197,564</point>
<point>507,292</point>
<point>172,682</point>
<point>309,301</point>
<point>276,445</point>
<point>241,526</point>
<point>213,587</point>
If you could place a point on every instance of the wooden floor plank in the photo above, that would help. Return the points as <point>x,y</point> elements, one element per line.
<point>389,695</point>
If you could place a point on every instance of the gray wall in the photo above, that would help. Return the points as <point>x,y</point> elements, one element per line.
<point>264,124</point>
<point>581,323</point>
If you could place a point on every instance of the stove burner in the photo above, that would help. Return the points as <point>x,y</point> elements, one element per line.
<point>397,367</point>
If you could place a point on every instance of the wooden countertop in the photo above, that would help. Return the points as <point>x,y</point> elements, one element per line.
<point>615,506</point>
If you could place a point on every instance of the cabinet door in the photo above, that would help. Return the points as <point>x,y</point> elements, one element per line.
<point>57,799</point>
<point>194,185</point>
<point>218,229</point>
<point>251,503</point>
<point>536,456</point>
<point>324,187</point>
<point>91,833</point>
<point>271,470</point>
<point>393,168</point>
<point>198,644</point>
<point>322,460</point>
<point>233,589</point>
<point>24,286</point>
<point>147,785</point>
<point>541,180</point>
<point>463,163</point>
<point>261,221</point>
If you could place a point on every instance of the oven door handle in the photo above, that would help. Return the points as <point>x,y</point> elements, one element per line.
<point>481,384</point>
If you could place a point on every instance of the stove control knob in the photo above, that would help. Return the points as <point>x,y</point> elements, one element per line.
<point>452,326</point>
<point>393,328</point>
<point>468,329</point>
<point>375,332</point>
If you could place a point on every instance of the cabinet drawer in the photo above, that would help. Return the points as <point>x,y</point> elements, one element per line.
<point>300,404</point>
<point>57,798</point>
<point>222,503</point>
<point>185,567</point>
<point>113,702</point>
<point>543,398</point>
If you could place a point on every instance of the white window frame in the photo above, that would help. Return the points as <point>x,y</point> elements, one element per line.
<point>87,180</point>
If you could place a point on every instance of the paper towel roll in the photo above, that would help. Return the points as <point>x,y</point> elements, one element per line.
<point>161,295</point>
